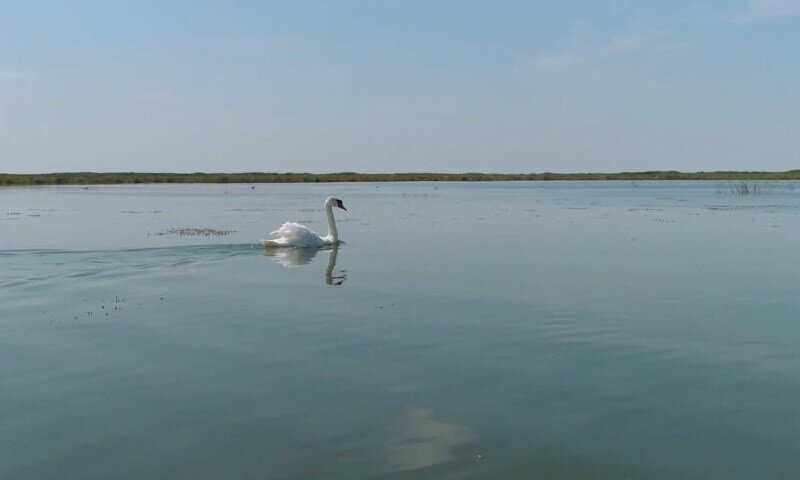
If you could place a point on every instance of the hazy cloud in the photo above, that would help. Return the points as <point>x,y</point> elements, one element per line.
<point>14,74</point>
<point>154,95</point>
<point>618,47</point>
<point>764,10</point>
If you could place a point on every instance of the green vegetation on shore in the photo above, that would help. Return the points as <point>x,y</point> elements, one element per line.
<point>91,178</point>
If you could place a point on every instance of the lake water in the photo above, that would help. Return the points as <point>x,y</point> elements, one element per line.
<point>604,330</point>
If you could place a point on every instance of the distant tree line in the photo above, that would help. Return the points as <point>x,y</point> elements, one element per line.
<point>92,178</point>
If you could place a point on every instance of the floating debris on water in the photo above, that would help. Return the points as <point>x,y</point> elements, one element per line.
<point>115,307</point>
<point>194,232</point>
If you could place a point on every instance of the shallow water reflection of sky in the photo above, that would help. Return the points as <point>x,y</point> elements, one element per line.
<point>420,440</point>
<point>478,330</point>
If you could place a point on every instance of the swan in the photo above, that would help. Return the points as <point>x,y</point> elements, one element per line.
<point>297,236</point>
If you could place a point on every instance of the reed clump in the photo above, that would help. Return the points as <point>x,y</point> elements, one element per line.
<point>748,187</point>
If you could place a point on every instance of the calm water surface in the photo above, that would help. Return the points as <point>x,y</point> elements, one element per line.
<point>601,330</point>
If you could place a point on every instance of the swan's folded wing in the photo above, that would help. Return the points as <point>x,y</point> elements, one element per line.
<point>294,235</point>
<point>293,231</point>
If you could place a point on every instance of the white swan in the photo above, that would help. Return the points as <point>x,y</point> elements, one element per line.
<point>297,236</point>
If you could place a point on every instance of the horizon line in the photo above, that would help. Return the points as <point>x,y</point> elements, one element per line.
<point>546,172</point>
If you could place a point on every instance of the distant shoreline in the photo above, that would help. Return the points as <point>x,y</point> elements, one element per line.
<point>94,178</point>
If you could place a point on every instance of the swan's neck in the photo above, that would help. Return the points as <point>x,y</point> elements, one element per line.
<point>332,233</point>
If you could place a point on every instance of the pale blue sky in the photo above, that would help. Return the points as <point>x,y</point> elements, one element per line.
<point>386,86</point>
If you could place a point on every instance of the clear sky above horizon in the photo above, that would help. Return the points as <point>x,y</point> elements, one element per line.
<point>388,86</point>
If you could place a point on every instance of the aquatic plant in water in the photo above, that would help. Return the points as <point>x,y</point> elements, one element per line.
<point>195,232</point>
<point>746,187</point>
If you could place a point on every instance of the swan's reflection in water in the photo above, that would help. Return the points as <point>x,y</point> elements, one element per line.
<point>330,278</point>
<point>295,257</point>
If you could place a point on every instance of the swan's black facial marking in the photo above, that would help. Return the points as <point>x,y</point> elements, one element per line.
<point>340,204</point>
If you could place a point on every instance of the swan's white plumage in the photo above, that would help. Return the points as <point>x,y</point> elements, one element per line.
<point>292,234</point>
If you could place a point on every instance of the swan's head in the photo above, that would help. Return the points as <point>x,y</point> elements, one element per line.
<point>334,202</point>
